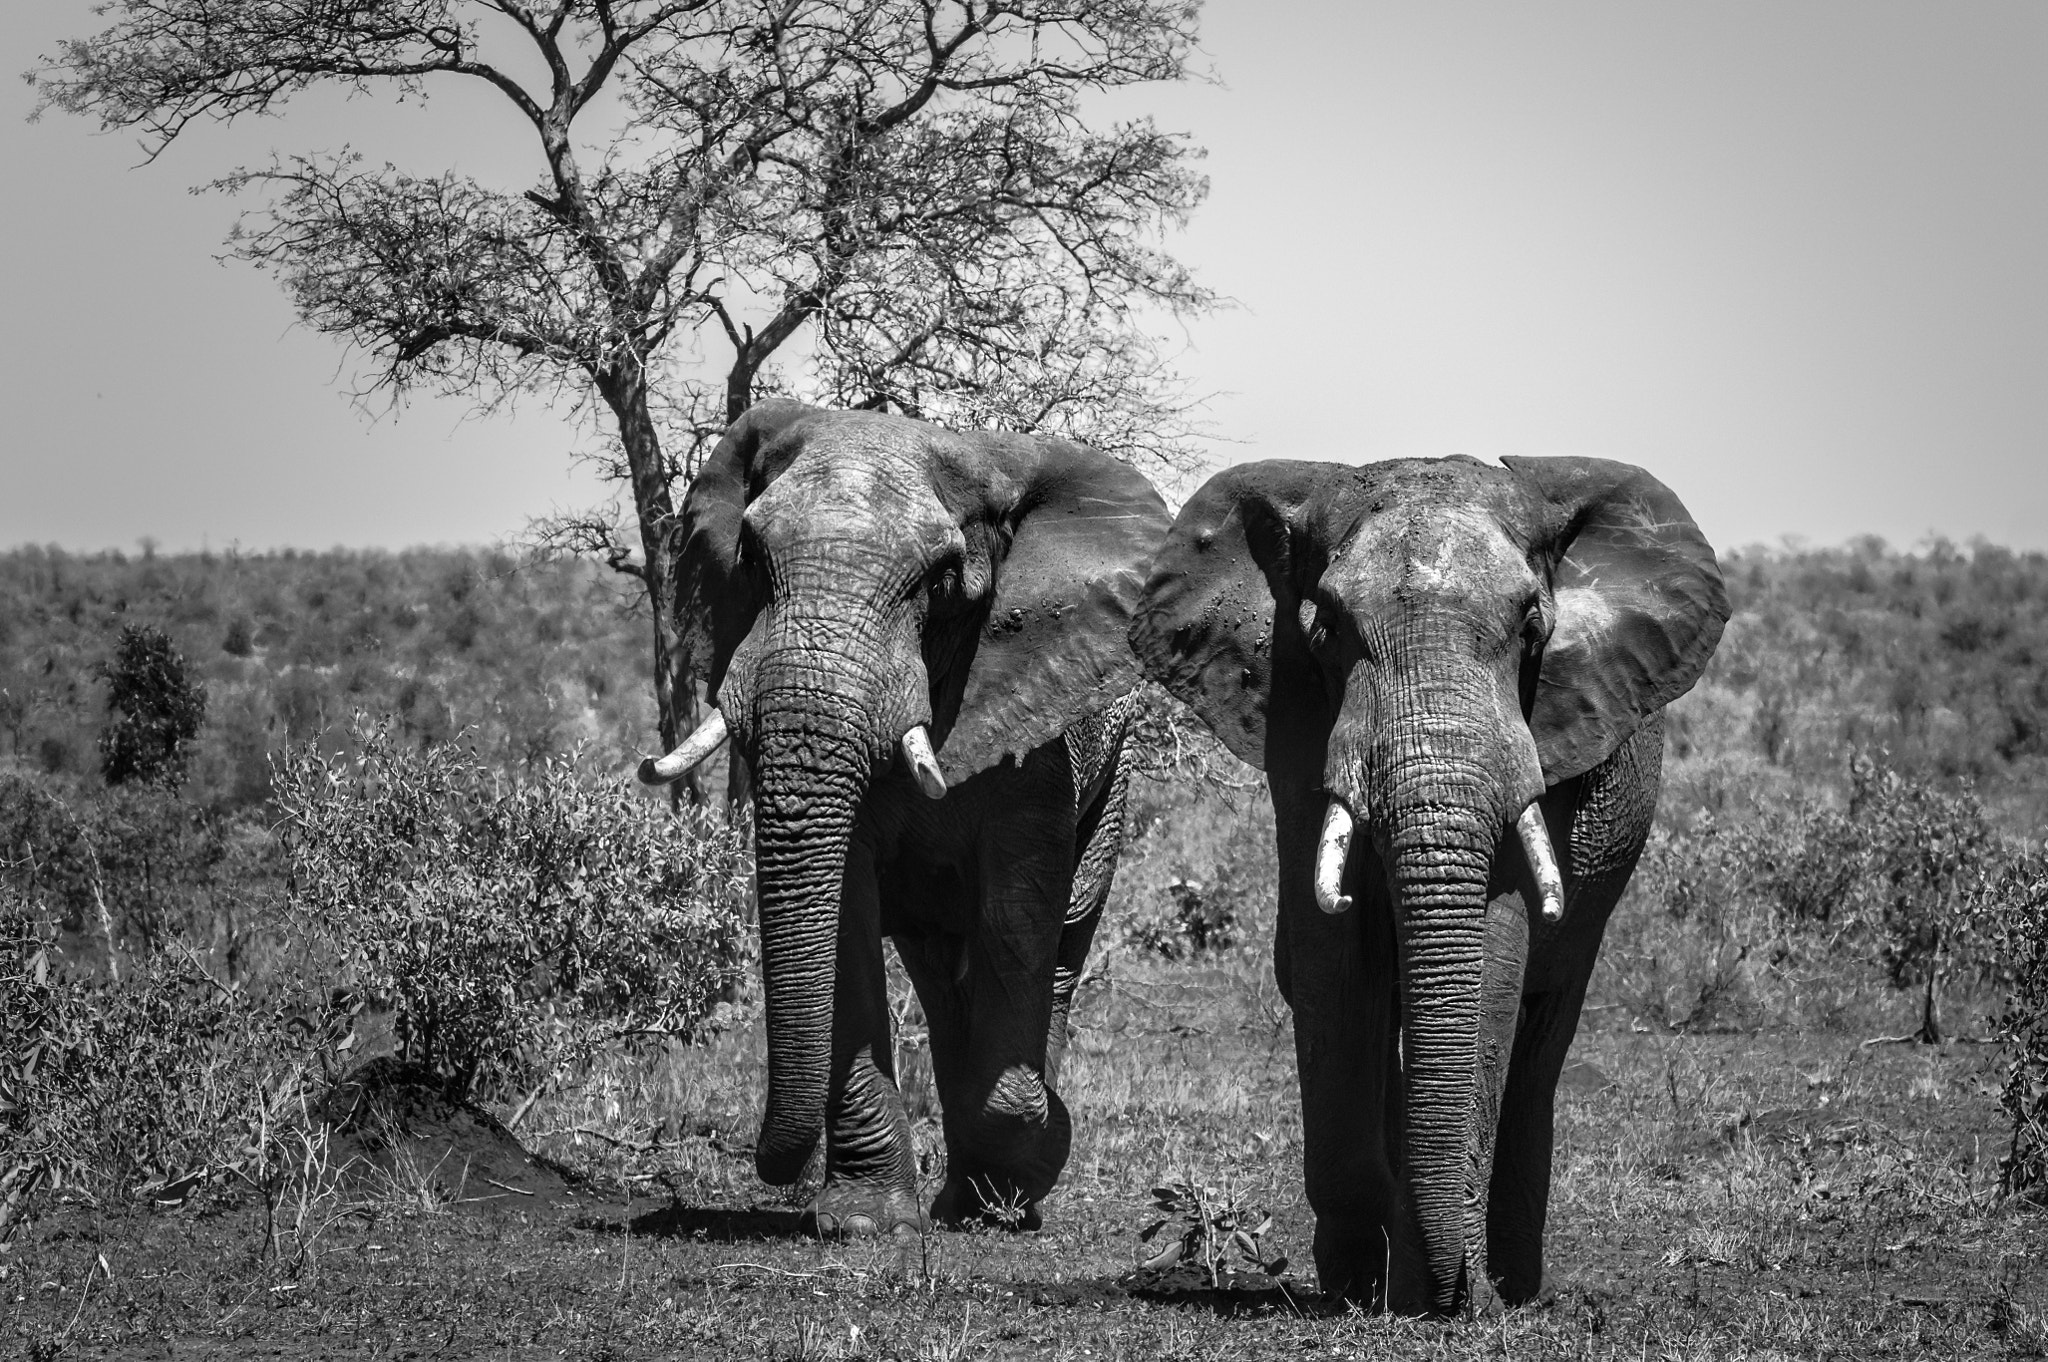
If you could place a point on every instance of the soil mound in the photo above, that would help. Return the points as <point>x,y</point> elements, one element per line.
<point>393,1128</point>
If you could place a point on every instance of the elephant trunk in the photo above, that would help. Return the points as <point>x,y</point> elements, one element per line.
<point>1440,833</point>
<point>811,769</point>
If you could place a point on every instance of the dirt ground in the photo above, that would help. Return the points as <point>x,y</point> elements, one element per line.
<point>1723,1196</point>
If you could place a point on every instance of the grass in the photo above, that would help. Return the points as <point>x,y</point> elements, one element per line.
<point>1718,1196</point>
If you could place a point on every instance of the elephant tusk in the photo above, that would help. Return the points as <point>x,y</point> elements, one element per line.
<point>688,753</point>
<point>917,750</point>
<point>1331,852</point>
<point>1542,860</point>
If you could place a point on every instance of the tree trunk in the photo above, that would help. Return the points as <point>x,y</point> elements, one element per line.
<point>625,391</point>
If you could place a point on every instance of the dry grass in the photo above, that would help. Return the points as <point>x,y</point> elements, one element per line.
<point>1718,1197</point>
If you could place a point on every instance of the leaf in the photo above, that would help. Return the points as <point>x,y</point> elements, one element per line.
<point>1276,1266</point>
<point>1145,1235</point>
<point>1174,1251</point>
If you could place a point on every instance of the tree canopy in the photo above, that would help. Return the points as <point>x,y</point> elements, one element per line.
<point>897,203</point>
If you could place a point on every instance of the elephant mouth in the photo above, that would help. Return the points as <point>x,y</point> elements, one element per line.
<point>1333,849</point>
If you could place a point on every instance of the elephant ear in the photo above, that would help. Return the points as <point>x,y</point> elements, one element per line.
<point>1640,607</point>
<point>1049,650</point>
<point>1254,537</point>
<point>715,601</point>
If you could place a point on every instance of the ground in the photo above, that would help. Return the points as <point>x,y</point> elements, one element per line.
<point>1719,1196</point>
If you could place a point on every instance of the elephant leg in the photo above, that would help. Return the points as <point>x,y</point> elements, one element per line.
<point>1008,1133</point>
<point>1611,813</point>
<point>1338,975</point>
<point>1099,842</point>
<point>1500,1064</point>
<point>870,1168</point>
<point>936,962</point>
<point>1518,1199</point>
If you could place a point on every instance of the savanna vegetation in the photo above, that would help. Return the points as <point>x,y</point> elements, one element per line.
<point>302,855</point>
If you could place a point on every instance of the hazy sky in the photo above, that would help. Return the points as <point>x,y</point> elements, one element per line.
<point>1793,258</point>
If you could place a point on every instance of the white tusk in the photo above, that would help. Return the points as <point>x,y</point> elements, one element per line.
<point>1542,860</point>
<point>1331,851</point>
<point>917,750</point>
<point>693,749</point>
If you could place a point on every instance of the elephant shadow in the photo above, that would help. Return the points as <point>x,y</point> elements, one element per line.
<point>715,1224</point>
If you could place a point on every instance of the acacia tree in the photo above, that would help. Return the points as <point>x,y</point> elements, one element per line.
<point>902,196</point>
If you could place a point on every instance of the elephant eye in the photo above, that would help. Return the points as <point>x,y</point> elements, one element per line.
<point>942,578</point>
<point>747,553</point>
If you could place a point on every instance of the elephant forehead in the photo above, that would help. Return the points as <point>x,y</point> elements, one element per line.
<point>1434,551</point>
<point>863,484</point>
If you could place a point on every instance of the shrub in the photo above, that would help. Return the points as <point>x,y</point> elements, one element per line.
<point>162,1084</point>
<point>1196,920</point>
<point>159,709</point>
<point>512,926</point>
<point>1893,879</point>
<point>2016,902</point>
<point>135,863</point>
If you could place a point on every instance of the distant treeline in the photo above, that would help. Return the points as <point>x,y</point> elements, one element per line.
<point>530,658</point>
<point>1939,657</point>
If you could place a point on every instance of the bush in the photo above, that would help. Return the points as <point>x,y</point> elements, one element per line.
<point>513,927</point>
<point>1196,921</point>
<point>1198,876</point>
<point>135,864</point>
<point>1738,909</point>
<point>163,1084</point>
<point>2017,906</point>
<point>159,709</point>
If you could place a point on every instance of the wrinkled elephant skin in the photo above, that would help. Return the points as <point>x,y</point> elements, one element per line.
<point>1418,654</point>
<point>916,640</point>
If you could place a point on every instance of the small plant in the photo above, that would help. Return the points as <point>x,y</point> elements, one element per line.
<point>1213,1225</point>
<point>1198,921</point>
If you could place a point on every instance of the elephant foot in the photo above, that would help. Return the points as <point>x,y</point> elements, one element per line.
<point>1369,1271</point>
<point>853,1210</point>
<point>970,1200</point>
<point>1482,1300</point>
<point>1541,1298</point>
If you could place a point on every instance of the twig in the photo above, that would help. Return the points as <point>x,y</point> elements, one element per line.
<point>526,1106</point>
<point>762,1267</point>
<point>631,1146</point>
<point>521,1191</point>
<point>192,959</point>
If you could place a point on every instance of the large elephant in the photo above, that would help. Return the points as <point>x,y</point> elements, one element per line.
<point>917,639</point>
<point>1465,666</point>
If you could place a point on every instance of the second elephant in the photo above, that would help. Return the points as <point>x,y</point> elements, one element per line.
<point>1449,672</point>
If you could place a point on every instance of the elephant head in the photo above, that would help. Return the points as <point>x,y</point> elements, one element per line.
<point>870,600</point>
<point>1416,650</point>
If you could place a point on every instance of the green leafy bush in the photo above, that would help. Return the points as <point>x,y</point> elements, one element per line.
<point>513,926</point>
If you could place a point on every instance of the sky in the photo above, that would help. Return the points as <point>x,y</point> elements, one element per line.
<point>1791,258</point>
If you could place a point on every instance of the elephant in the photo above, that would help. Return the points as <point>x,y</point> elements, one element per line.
<point>1448,670</point>
<point>916,640</point>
